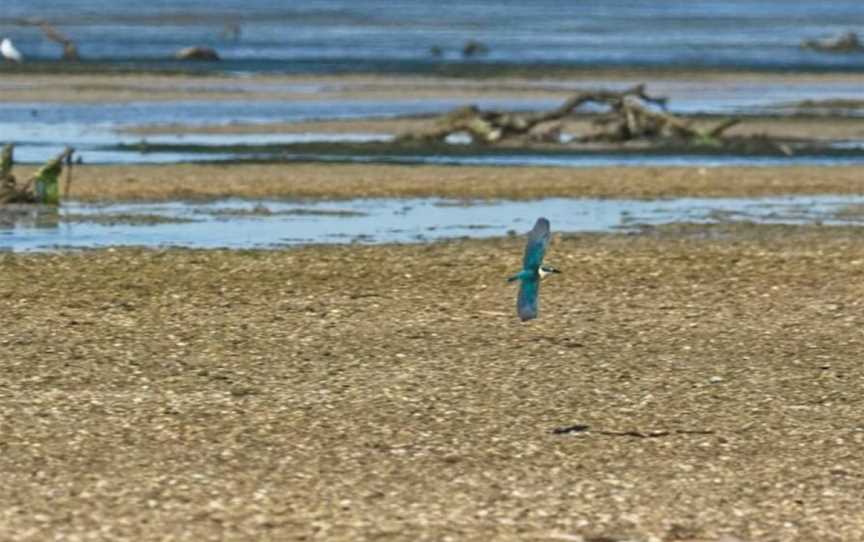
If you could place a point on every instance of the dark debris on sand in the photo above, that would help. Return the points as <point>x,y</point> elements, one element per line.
<point>370,392</point>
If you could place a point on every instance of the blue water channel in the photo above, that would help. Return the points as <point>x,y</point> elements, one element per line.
<point>322,36</point>
<point>242,224</point>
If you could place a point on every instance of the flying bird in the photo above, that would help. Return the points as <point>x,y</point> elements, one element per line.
<point>533,270</point>
<point>9,51</point>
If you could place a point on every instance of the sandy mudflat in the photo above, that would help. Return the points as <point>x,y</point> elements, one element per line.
<point>354,393</point>
<point>690,383</point>
<point>190,181</point>
<point>119,88</point>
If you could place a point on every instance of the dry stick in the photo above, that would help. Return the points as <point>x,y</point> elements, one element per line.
<point>7,160</point>
<point>70,50</point>
<point>68,184</point>
<point>581,428</point>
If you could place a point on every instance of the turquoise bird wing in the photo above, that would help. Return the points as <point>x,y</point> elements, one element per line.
<point>538,239</point>
<point>528,300</point>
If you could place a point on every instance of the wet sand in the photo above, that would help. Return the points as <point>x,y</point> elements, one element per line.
<point>120,88</point>
<point>689,384</point>
<point>344,181</point>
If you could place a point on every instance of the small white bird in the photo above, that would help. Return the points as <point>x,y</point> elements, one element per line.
<point>9,51</point>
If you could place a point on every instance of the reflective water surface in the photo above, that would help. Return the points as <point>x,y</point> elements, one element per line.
<point>242,224</point>
<point>383,35</point>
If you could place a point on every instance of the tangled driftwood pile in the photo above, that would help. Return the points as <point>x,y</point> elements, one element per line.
<point>42,187</point>
<point>632,115</point>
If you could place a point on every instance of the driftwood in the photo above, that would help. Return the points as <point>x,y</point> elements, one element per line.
<point>6,162</point>
<point>474,48</point>
<point>629,118</point>
<point>197,53</point>
<point>10,192</point>
<point>67,186</point>
<point>42,187</point>
<point>70,50</point>
<point>845,43</point>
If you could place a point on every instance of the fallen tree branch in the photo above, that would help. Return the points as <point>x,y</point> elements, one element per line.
<point>632,120</point>
<point>42,187</point>
<point>67,186</point>
<point>6,162</point>
<point>70,50</point>
<point>9,190</point>
<point>629,117</point>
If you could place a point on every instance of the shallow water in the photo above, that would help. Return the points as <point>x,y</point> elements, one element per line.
<point>848,153</point>
<point>240,224</point>
<point>99,132</point>
<point>218,112</point>
<point>382,35</point>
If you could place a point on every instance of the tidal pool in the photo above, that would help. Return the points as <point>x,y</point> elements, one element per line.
<point>244,224</point>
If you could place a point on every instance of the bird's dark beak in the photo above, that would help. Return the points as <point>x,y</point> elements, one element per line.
<point>554,270</point>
